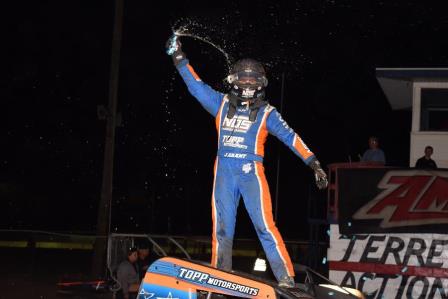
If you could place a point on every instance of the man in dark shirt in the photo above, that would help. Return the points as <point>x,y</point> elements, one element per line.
<point>426,162</point>
<point>145,258</point>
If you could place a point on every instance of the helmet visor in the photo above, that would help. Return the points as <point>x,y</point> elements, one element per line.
<point>248,78</point>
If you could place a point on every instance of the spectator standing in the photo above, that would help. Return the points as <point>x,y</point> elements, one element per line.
<point>127,276</point>
<point>144,258</point>
<point>374,153</point>
<point>426,162</point>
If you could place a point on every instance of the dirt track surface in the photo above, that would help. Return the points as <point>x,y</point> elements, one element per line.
<point>34,273</point>
<point>30,274</point>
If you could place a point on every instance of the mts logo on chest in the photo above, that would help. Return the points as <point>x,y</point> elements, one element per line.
<point>240,123</point>
<point>193,275</point>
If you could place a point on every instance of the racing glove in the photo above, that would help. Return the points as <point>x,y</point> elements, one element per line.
<point>174,49</point>
<point>319,174</point>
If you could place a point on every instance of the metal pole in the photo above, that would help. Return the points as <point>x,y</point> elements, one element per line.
<point>104,207</point>
<point>282,92</point>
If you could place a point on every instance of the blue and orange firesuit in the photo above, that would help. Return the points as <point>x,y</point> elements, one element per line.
<point>239,172</point>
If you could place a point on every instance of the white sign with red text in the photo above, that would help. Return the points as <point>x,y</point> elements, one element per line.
<point>390,266</point>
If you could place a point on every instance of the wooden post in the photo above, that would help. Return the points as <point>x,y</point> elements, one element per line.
<point>104,207</point>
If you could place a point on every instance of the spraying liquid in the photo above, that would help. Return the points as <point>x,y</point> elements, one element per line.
<point>182,32</point>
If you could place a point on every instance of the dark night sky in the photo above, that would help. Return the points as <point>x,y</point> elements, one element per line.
<point>57,72</point>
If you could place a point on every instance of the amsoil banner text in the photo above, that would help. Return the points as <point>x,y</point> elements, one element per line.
<point>396,201</point>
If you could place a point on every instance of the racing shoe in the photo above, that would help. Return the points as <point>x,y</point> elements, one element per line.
<point>286,282</point>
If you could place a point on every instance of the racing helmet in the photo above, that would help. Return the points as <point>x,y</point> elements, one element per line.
<point>247,80</point>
